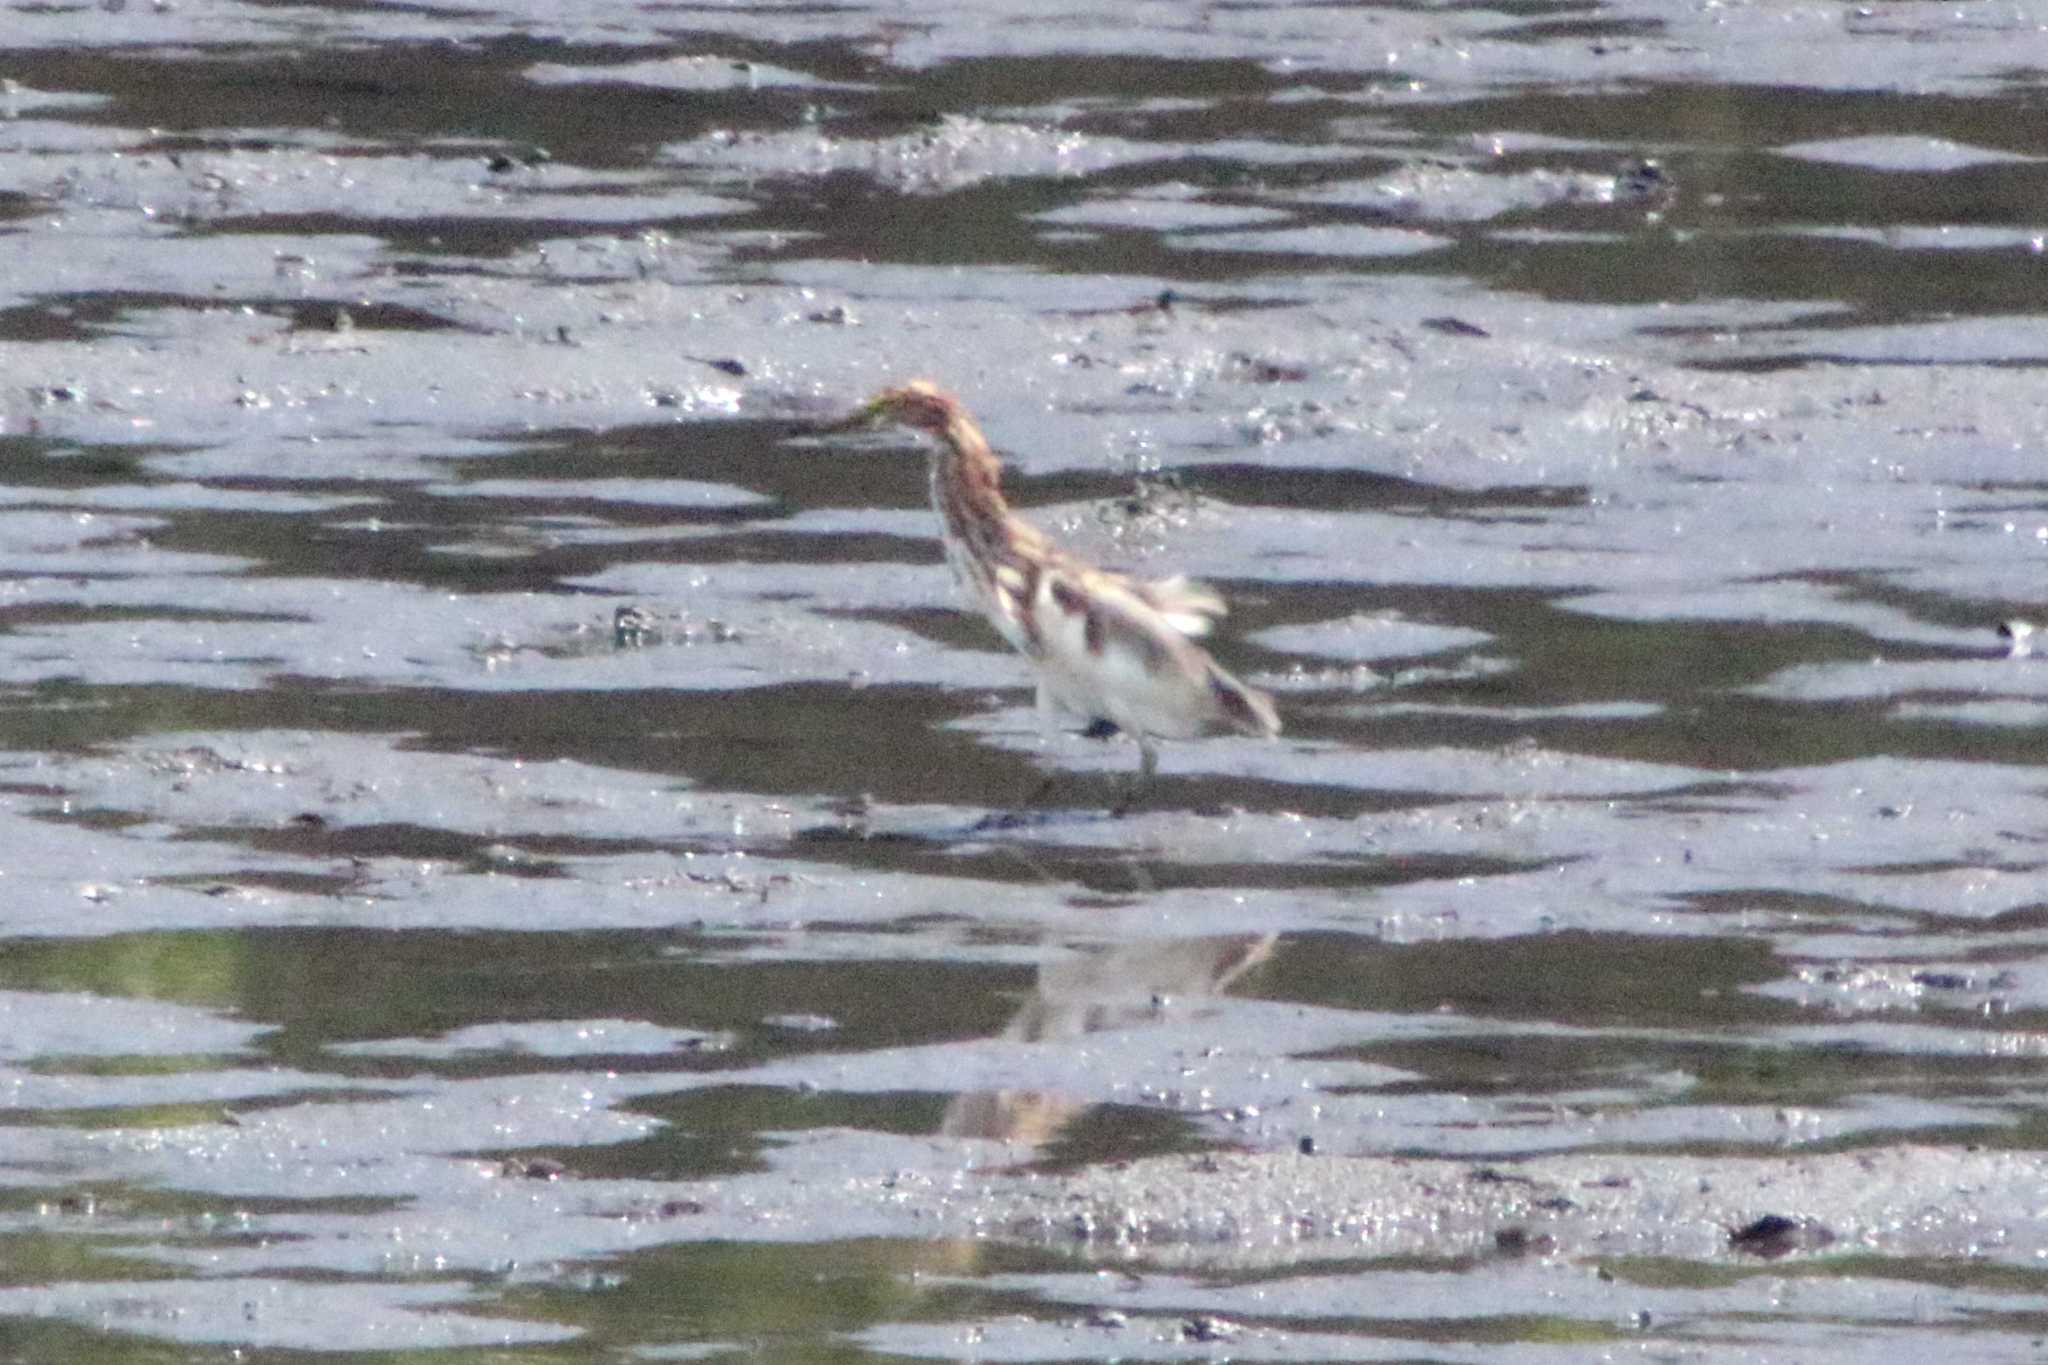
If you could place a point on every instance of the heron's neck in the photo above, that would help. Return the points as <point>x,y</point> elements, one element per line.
<point>967,493</point>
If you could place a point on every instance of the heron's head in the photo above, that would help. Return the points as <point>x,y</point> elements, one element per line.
<point>920,404</point>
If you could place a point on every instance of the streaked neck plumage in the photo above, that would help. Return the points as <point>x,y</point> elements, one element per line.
<point>968,496</point>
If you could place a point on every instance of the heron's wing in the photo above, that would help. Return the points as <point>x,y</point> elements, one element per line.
<point>1189,607</point>
<point>1109,651</point>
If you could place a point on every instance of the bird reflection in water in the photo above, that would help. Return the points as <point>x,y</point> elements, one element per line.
<point>1122,988</point>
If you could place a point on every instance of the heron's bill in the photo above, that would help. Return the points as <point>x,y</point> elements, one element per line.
<point>866,415</point>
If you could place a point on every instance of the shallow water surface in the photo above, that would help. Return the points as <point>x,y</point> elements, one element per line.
<point>512,842</point>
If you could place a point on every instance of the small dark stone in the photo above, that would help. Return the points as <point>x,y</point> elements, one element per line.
<point>1519,1241</point>
<point>1645,179</point>
<point>1307,1146</point>
<point>1775,1235</point>
<point>630,627</point>
<point>500,163</point>
<point>1942,981</point>
<point>1270,371</point>
<point>1488,1175</point>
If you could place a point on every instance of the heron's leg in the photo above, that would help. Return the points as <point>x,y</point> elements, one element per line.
<point>1048,730</point>
<point>1148,764</point>
<point>1018,813</point>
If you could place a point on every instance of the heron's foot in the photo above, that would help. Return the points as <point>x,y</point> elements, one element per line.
<point>1007,819</point>
<point>1128,796</point>
<point>1025,812</point>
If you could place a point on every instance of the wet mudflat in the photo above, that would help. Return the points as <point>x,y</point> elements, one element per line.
<point>495,841</point>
